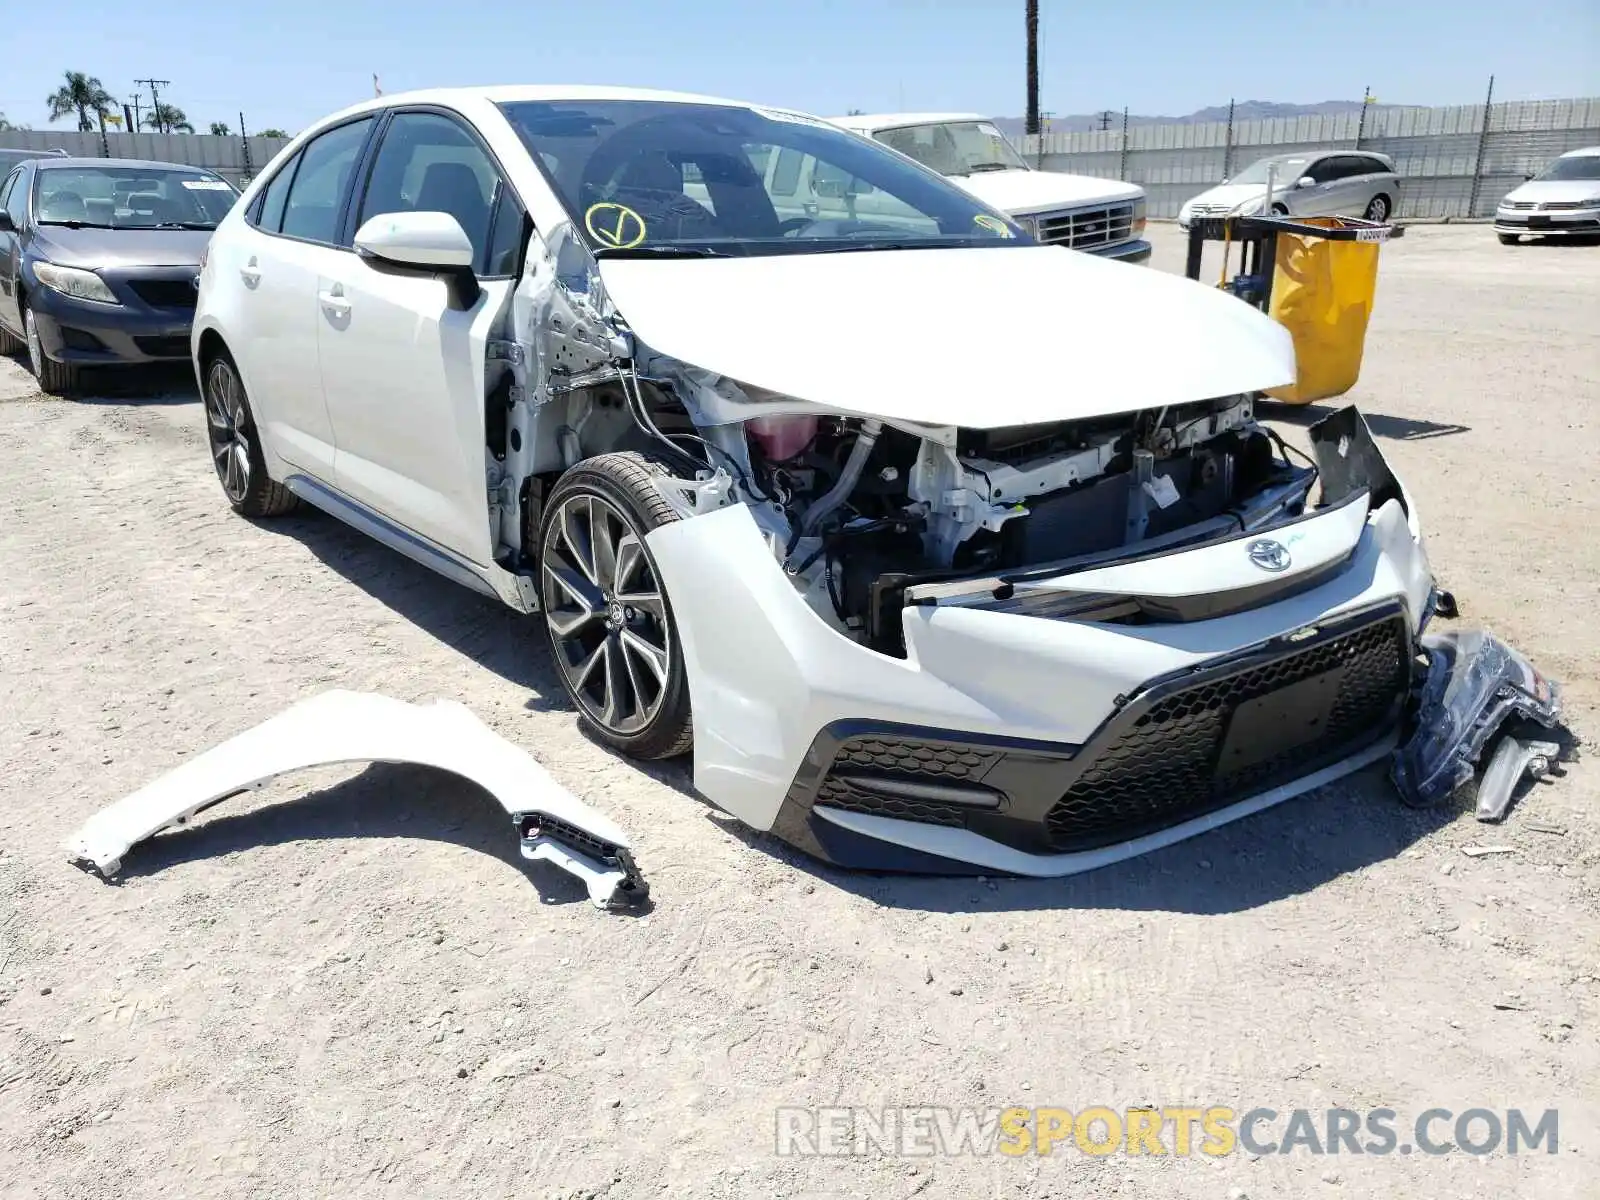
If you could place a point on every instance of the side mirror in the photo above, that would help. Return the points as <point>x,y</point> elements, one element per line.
<point>1528,178</point>
<point>433,242</point>
<point>1305,181</point>
<point>7,225</point>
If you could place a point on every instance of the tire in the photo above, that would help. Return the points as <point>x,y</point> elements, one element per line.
<point>55,378</point>
<point>1280,210</point>
<point>610,623</point>
<point>1379,208</point>
<point>1509,239</point>
<point>235,444</point>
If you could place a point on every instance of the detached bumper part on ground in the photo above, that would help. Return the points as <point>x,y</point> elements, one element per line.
<point>342,727</point>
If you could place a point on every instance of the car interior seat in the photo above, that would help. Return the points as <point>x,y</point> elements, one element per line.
<point>454,188</point>
<point>65,205</point>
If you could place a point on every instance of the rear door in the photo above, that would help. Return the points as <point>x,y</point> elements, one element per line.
<point>403,365</point>
<point>294,228</point>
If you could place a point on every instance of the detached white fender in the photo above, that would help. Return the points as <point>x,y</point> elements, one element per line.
<point>345,727</point>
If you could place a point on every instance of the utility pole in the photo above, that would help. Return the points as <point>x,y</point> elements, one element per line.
<point>1032,125</point>
<point>133,117</point>
<point>1105,120</point>
<point>1227,145</point>
<point>244,143</point>
<point>155,99</point>
<point>1361,123</point>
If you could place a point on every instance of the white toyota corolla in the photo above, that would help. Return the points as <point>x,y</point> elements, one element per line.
<point>942,549</point>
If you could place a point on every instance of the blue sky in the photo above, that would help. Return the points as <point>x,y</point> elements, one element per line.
<point>290,61</point>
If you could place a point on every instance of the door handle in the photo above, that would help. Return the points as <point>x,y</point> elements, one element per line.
<point>250,274</point>
<point>333,301</point>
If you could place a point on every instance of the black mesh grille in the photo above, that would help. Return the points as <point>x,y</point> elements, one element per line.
<point>163,347</point>
<point>1166,764</point>
<point>837,793</point>
<point>920,759</point>
<point>165,293</point>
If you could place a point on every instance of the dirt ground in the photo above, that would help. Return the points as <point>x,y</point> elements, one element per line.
<point>348,983</point>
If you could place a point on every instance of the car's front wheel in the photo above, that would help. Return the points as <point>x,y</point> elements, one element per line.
<point>236,445</point>
<point>1378,208</point>
<point>606,609</point>
<point>55,378</point>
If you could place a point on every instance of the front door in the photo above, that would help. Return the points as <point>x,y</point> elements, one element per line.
<point>13,199</point>
<point>403,364</point>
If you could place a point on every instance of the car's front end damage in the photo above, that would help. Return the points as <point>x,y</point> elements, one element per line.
<point>962,593</point>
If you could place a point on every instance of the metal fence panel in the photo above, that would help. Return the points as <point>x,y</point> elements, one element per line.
<point>224,155</point>
<point>1444,155</point>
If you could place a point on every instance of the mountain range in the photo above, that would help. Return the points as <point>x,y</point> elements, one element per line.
<point>1243,110</point>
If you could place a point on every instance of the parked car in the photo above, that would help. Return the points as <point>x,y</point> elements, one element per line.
<point>1082,212</point>
<point>1563,200</point>
<point>99,259</point>
<point>779,496</point>
<point>1315,183</point>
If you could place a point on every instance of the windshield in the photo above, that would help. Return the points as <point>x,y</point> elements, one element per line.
<point>1283,167</point>
<point>1579,166</point>
<point>125,197</point>
<point>644,178</point>
<point>955,147</point>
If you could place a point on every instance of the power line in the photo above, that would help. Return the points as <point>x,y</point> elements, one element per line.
<point>155,99</point>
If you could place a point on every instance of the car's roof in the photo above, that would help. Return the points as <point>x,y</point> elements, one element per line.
<point>875,121</point>
<point>142,164</point>
<point>1584,152</point>
<point>521,93</point>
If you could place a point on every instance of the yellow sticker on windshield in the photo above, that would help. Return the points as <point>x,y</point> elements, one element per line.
<point>614,225</point>
<point>994,225</point>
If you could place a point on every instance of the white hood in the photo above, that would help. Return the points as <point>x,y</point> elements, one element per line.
<point>1242,195</point>
<point>1547,191</point>
<point>1021,192</point>
<point>979,337</point>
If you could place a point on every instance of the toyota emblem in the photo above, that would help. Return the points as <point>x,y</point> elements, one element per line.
<point>1268,554</point>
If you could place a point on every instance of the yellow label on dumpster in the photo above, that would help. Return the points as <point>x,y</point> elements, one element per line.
<point>1322,292</point>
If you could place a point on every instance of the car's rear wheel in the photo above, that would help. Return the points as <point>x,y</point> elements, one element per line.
<point>606,609</point>
<point>236,445</point>
<point>55,378</point>
<point>1508,239</point>
<point>1378,208</point>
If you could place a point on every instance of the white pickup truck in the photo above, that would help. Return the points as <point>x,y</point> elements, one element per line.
<point>1101,216</point>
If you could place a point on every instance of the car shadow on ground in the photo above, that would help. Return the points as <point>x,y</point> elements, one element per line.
<point>1286,850</point>
<point>1399,429</point>
<point>387,800</point>
<point>145,383</point>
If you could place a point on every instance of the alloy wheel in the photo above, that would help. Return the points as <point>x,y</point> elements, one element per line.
<point>227,426</point>
<point>606,612</point>
<point>1378,210</point>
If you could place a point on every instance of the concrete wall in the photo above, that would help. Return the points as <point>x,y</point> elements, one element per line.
<point>1435,149</point>
<point>235,158</point>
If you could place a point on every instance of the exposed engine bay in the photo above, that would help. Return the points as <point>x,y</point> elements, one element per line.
<point>859,510</point>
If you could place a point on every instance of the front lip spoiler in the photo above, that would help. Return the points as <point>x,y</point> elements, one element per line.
<point>1475,684</point>
<point>343,727</point>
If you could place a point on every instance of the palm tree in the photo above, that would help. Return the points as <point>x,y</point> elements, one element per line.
<point>1031,21</point>
<point>5,124</point>
<point>220,129</point>
<point>168,118</point>
<point>81,94</point>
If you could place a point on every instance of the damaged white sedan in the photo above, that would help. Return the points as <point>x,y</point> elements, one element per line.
<point>941,549</point>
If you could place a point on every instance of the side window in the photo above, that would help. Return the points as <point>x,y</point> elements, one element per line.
<point>430,163</point>
<point>272,200</point>
<point>17,200</point>
<point>504,255</point>
<point>316,196</point>
<point>1324,170</point>
<point>1373,166</point>
<point>786,175</point>
<point>5,186</point>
